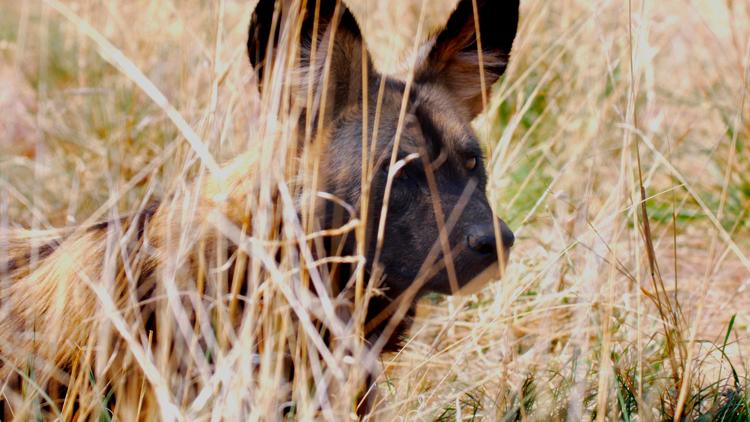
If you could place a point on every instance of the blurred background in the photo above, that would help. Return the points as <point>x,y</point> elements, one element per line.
<point>605,103</point>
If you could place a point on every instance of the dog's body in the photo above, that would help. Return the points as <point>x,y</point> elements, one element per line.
<point>428,226</point>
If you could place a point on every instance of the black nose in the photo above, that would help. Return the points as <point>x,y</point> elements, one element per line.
<point>508,237</point>
<point>481,239</point>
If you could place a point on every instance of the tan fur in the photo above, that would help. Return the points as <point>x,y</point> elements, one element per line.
<point>108,307</point>
<point>50,314</point>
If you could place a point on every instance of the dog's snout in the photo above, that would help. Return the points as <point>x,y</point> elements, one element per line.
<point>507,235</point>
<point>481,239</point>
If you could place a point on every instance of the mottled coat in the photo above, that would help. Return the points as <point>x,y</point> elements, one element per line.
<point>427,224</point>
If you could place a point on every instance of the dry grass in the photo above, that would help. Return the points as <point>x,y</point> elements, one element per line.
<point>600,314</point>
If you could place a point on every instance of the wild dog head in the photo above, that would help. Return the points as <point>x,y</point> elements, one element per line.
<point>425,168</point>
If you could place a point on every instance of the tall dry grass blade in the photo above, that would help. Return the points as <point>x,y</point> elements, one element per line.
<point>114,56</point>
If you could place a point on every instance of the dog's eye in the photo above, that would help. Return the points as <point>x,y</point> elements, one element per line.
<point>471,163</point>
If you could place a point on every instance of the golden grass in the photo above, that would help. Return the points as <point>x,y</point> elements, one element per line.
<point>599,315</point>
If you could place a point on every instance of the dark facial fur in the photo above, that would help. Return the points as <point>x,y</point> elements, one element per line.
<point>445,175</point>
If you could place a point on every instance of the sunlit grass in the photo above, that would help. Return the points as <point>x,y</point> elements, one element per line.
<point>585,324</point>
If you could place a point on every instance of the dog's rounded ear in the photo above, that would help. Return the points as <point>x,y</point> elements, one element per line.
<point>271,17</point>
<point>261,27</point>
<point>454,59</point>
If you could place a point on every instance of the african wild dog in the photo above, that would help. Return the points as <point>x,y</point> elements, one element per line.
<point>445,96</point>
<point>440,234</point>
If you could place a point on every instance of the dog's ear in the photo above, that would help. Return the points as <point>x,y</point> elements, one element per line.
<point>280,27</point>
<point>260,32</point>
<point>454,60</point>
